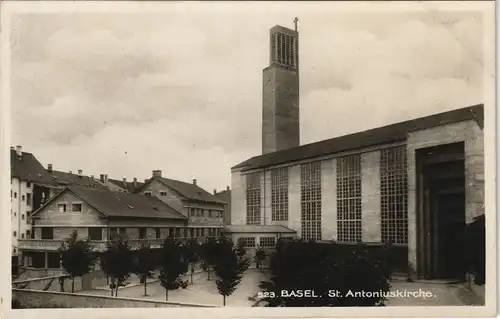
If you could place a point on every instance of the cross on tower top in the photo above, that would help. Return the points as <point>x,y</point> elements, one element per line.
<point>295,22</point>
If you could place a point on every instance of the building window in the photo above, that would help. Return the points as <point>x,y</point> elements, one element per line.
<point>248,242</point>
<point>22,197</point>
<point>113,232</point>
<point>147,193</point>
<point>15,233</point>
<point>61,208</point>
<point>394,195</point>
<point>47,233</point>
<point>209,213</point>
<point>202,213</point>
<point>22,236</point>
<point>142,233</point>
<point>28,184</point>
<point>310,200</point>
<point>22,216</point>
<point>279,194</point>
<point>28,199</point>
<point>267,241</point>
<point>77,208</point>
<point>349,219</point>
<point>163,193</point>
<point>253,199</point>
<point>15,195</point>
<point>95,233</point>
<point>122,232</point>
<point>28,234</point>
<point>157,233</point>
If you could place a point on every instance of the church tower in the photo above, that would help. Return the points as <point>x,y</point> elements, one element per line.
<point>280,92</point>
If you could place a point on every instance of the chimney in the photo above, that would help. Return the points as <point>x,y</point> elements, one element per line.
<point>19,150</point>
<point>124,180</point>
<point>157,173</point>
<point>227,188</point>
<point>145,180</point>
<point>135,182</point>
<point>194,181</point>
<point>49,168</point>
<point>102,177</point>
<point>80,172</point>
<point>105,177</point>
<point>92,176</point>
<point>71,172</point>
<point>215,191</point>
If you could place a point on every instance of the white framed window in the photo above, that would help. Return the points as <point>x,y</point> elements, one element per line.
<point>61,208</point>
<point>253,199</point>
<point>349,217</point>
<point>267,241</point>
<point>310,200</point>
<point>248,242</point>
<point>279,194</point>
<point>163,193</point>
<point>394,195</point>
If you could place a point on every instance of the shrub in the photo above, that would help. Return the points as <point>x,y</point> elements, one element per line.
<point>476,249</point>
<point>326,268</point>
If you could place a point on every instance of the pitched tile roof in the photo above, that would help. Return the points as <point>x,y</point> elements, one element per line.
<point>128,186</point>
<point>68,179</point>
<point>378,136</point>
<point>224,196</point>
<point>120,204</point>
<point>189,190</point>
<point>258,229</point>
<point>28,168</point>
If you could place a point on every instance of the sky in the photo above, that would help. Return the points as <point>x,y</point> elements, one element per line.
<point>180,89</point>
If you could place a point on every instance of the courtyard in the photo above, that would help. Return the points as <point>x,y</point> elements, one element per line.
<point>204,291</point>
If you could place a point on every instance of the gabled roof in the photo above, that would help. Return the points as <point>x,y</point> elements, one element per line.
<point>378,136</point>
<point>27,168</point>
<point>224,196</point>
<point>188,190</point>
<point>258,229</point>
<point>70,179</point>
<point>128,186</point>
<point>121,205</point>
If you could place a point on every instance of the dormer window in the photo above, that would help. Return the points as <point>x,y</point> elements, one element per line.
<point>163,193</point>
<point>147,193</point>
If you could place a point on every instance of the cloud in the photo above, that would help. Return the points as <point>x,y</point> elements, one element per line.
<point>126,93</point>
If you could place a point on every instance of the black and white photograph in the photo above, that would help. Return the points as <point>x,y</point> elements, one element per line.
<point>255,155</point>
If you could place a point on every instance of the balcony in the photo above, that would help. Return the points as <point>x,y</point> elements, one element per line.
<point>99,245</point>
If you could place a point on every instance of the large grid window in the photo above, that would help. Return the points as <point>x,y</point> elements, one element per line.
<point>310,200</point>
<point>267,241</point>
<point>349,218</point>
<point>253,199</point>
<point>394,195</point>
<point>247,242</point>
<point>279,194</point>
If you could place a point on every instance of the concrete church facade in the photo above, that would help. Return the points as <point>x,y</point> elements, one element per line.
<point>415,184</point>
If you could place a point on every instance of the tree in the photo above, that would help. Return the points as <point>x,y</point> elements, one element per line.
<point>229,267</point>
<point>77,257</point>
<point>260,256</point>
<point>208,254</point>
<point>144,264</point>
<point>322,268</point>
<point>172,265</point>
<point>192,252</point>
<point>117,262</point>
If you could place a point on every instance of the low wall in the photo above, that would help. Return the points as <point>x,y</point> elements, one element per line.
<point>36,298</point>
<point>30,273</point>
<point>52,281</point>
